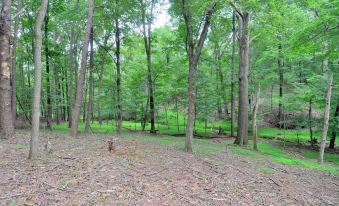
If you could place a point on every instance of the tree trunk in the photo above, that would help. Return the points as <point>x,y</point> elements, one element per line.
<point>272,88</point>
<point>14,70</point>
<point>90,93</point>
<point>80,86</point>
<point>37,83</point>
<point>326,120</point>
<point>194,52</point>
<point>255,110</point>
<point>147,22</point>
<point>233,76</point>
<point>242,136</point>
<point>117,63</point>
<point>58,94</point>
<point>335,127</point>
<point>310,121</point>
<point>48,85</point>
<point>101,73</point>
<point>70,87</point>
<point>6,122</point>
<point>281,84</point>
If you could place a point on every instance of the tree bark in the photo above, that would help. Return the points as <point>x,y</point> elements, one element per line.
<point>281,84</point>
<point>48,85</point>
<point>118,65</point>
<point>242,136</point>
<point>14,70</point>
<point>80,86</point>
<point>147,22</point>
<point>255,110</point>
<point>70,87</point>
<point>101,73</point>
<point>326,120</point>
<point>335,128</point>
<point>33,151</point>
<point>6,122</point>
<point>194,53</point>
<point>310,121</point>
<point>233,76</point>
<point>90,93</point>
<point>58,94</point>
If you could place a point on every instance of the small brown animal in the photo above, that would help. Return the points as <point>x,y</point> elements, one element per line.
<point>111,146</point>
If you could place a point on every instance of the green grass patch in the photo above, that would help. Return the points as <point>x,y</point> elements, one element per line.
<point>21,146</point>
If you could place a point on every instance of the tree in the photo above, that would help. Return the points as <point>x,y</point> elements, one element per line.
<point>90,95</point>
<point>233,76</point>
<point>48,86</point>
<point>118,68</point>
<point>14,60</point>
<point>193,52</point>
<point>255,110</point>
<point>81,81</point>
<point>243,22</point>
<point>334,127</point>
<point>6,122</point>
<point>33,151</point>
<point>326,119</point>
<point>147,34</point>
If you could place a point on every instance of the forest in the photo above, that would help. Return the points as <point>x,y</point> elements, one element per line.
<point>169,102</point>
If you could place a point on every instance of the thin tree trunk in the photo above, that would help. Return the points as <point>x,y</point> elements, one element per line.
<point>84,113</point>
<point>272,88</point>
<point>80,86</point>
<point>33,152</point>
<point>222,83</point>
<point>147,22</point>
<point>335,128</point>
<point>233,77</point>
<point>255,110</point>
<point>14,70</point>
<point>326,120</point>
<point>101,73</point>
<point>118,65</point>
<point>90,93</point>
<point>48,85</point>
<point>70,91</point>
<point>242,136</point>
<point>58,94</point>
<point>310,121</point>
<point>176,108</point>
<point>6,122</point>
<point>281,84</point>
<point>193,52</point>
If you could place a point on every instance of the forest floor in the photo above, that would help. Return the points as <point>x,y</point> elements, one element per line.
<point>81,171</point>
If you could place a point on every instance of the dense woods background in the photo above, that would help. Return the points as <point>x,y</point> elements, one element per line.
<point>198,75</point>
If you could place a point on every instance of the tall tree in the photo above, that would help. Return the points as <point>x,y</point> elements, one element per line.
<point>90,93</point>
<point>33,151</point>
<point>81,81</point>
<point>101,74</point>
<point>118,68</point>
<point>243,24</point>
<point>233,76</point>
<point>48,85</point>
<point>255,111</point>
<point>326,119</point>
<point>14,57</point>
<point>147,34</point>
<point>6,122</point>
<point>193,52</point>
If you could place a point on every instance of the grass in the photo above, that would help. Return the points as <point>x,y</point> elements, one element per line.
<point>206,147</point>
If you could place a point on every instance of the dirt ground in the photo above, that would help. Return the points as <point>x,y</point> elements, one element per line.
<point>80,171</point>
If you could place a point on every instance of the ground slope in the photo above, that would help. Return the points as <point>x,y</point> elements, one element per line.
<point>80,171</point>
